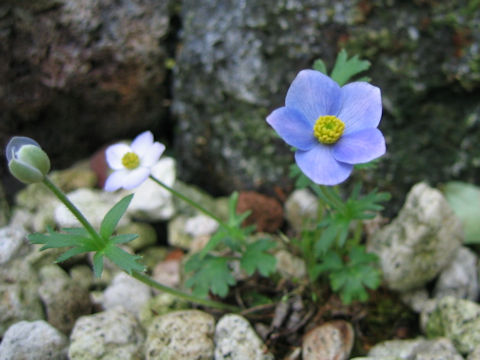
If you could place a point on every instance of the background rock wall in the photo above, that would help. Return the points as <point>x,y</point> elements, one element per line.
<point>77,74</point>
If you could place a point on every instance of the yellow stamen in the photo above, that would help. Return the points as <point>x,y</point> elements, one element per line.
<point>130,160</point>
<point>328,129</point>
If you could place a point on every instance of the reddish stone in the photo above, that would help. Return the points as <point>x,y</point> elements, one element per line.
<point>98,163</point>
<point>267,212</point>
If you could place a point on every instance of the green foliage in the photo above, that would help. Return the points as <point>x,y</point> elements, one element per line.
<point>301,181</point>
<point>210,273</point>
<point>464,199</point>
<point>113,216</point>
<point>256,257</point>
<point>210,267</point>
<point>323,247</point>
<point>79,240</point>
<point>344,68</point>
<point>352,276</point>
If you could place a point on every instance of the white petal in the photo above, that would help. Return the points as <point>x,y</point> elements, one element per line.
<point>135,177</point>
<point>115,180</point>
<point>153,154</point>
<point>114,155</point>
<point>142,143</point>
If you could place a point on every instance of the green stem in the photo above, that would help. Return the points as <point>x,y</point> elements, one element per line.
<point>189,201</point>
<point>73,209</point>
<point>211,303</point>
<point>141,277</point>
<point>327,196</point>
<point>333,197</point>
<point>357,235</point>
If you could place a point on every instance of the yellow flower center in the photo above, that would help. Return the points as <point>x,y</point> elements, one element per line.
<point>328,129</point>
<point>130,160</point>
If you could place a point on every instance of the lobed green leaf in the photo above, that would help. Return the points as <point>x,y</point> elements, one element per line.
<point>256,257</point>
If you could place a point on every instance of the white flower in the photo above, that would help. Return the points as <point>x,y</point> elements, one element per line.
<point>132,164</point>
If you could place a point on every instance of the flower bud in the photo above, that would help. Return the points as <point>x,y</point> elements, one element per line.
<point>26,160</point>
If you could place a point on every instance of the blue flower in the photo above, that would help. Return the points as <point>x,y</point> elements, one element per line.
<point>332,127</point>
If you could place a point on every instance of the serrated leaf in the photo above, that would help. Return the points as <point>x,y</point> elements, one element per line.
<point>345,68</point>
<point>352,278</point>
<point>256,257</point>
<point>113,216</point>
<point>464,199</point>
<point>372,278</point>
<point>358,255</point>
<point>331,262</point>
<point>338,280</point>
<point>213,275</point>
<point>124,260</point>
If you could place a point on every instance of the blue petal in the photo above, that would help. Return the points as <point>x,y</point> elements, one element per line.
<point>293,127</point>
<point>313,94</point>
<point>321,167</point>
<point>361,106</point>
<point>359,147</point>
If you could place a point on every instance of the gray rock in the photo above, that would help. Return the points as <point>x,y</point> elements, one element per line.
<point>93,204</point>
<point>244,58</point>
<point>177,235</point>
<point>82,275</point>
<point>147,236</point>
<point>186,231</point>
<point>289,265</point>
<point>36,340</point>
<point>12,239</point>
<point>456,319</point>
<point>104,70</point>
<point>460,277</point>
<point>160,304</point>
<point>235,339</point>
<point>64,300</point>
<point>301,209</point>
<point>181,335</point>
<point>113,334</point>
<point>415,349</point>
<point>127,292</point>
<point>475,354</point>
<point>168,272</point>
<point>78,176</point>
<point>330,341</point>
<point>241,58</point>
<point>200,225</point>
<point>418,299</point>
<point>218,206</point>
<point>420,242</point>
<point>19,288</point>
<point>35,206</point>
